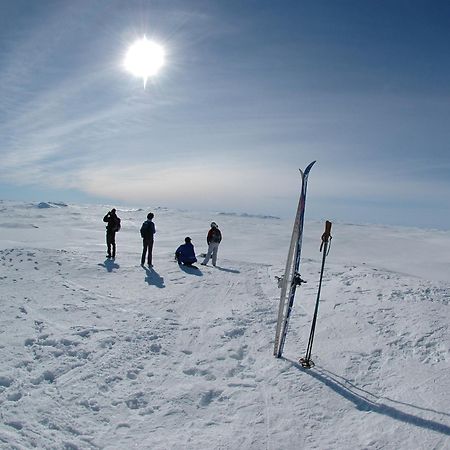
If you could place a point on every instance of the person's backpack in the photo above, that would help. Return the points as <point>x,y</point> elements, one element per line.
<point>216,235</point>
<point>144,229</point>
<point>116,226</point>
<point>147,230</point>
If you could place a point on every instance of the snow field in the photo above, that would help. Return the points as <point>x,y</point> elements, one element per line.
<point>106,354</point>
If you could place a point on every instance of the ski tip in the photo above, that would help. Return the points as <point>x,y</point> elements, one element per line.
<point>308,168</point>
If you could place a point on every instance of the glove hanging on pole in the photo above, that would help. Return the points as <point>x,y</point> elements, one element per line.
<point>325,246</point>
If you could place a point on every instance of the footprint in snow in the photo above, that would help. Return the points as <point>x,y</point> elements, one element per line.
<point>5,381</point>
<point>209,396</point>
<point>202,372</point>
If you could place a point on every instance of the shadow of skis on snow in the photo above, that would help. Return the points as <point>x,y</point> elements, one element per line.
<point>153,278</point>
<point>223,269</point>
<point>356,396</point>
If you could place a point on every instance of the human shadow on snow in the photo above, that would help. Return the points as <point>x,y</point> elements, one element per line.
<point>153,278</point>
<point>191,270</point>
<point>109,264</point>
<point>366,401</point>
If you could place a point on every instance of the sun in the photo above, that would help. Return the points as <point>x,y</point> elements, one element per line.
<point>144,59</point>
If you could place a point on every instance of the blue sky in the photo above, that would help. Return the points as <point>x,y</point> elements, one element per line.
<point>251,91</point>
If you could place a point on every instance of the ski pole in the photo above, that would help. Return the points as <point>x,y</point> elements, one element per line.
<point>326,239</point>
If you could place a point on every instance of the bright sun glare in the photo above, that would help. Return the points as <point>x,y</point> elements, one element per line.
<point>144,59</point>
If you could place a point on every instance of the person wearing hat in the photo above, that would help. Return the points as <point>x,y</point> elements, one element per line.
<point>111,229</point>
<point>213,239</point>
<point>185,253</point>
<point>147,233</point>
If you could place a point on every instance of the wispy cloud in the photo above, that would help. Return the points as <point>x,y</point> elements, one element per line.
<point>240,107</point>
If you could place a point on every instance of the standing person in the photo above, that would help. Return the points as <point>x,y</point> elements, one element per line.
<point>213,239</point>
<point>185,253</point>
<point>147,233</point>
<point>111,229</point>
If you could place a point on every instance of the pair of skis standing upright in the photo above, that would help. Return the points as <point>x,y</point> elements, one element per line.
<point>292,279</point>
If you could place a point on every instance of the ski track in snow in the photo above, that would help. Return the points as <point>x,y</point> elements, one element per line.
<point>107,354</point>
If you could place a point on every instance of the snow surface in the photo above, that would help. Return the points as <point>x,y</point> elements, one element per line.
<point>107,354</point>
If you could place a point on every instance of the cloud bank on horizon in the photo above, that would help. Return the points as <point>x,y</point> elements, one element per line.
<point>250,92</point>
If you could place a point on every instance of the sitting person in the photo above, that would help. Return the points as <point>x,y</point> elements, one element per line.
<point>185,253</point>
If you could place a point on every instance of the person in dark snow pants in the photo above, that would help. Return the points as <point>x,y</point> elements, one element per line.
<point>111,229</point>
<point>147,233</point>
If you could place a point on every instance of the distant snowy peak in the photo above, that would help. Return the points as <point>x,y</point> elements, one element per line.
<point>252,216</point>
<point>44,205</point>
<point>15,225</point>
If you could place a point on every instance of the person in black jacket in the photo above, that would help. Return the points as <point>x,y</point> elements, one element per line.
<point>147,234</point>
<point>111,229</point>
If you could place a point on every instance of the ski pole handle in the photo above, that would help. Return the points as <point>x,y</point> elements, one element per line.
<point>326,236</point>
